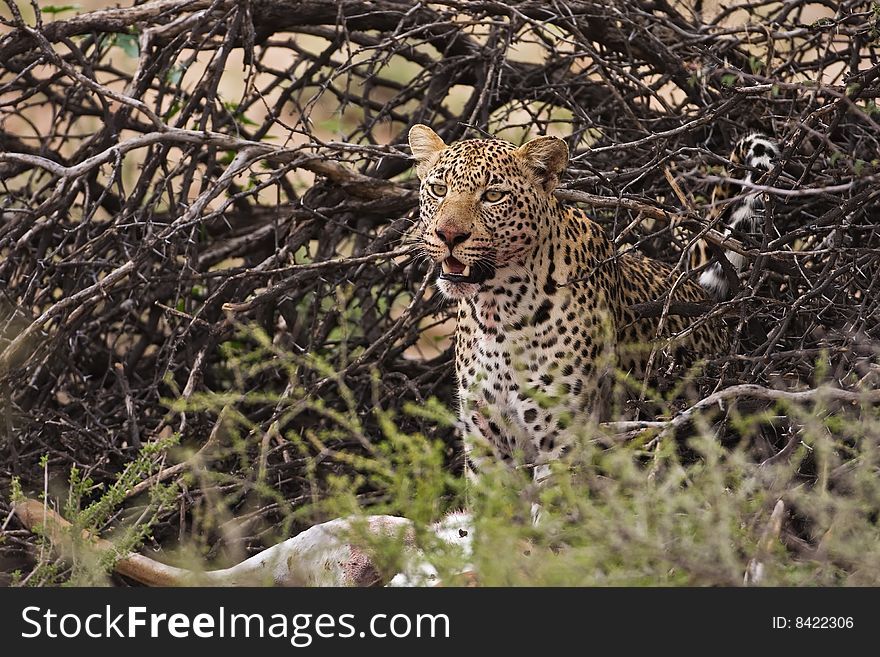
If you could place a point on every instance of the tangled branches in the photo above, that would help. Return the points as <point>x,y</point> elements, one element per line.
<point>173,170</point>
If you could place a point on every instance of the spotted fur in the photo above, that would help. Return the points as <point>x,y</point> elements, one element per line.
<point>544,301</point>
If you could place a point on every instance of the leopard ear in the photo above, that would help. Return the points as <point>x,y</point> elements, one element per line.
<point>426,146</point>
<point>546,158</point>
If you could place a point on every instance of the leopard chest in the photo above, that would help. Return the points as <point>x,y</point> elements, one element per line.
<point>525,367</point>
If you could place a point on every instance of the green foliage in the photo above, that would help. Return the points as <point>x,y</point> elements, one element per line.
<point>16,495</point>
<point>652,509</point>
<point>402,472</point>
<point>617,514</point>
<point>172,112</point>
<point>238,113</point>
<point>55,9</point>
<point>89,566</point>
<point>128,43</point>
<point>174,76</point>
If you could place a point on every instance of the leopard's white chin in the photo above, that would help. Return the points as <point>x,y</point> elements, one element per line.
<point>452,290</point>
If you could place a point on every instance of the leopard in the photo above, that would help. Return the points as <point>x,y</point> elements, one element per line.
<point>545,303</point>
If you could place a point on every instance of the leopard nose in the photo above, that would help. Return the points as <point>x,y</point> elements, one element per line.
<point>451,236</point>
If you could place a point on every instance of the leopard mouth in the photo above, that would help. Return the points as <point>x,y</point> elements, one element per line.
<point>455,271</point>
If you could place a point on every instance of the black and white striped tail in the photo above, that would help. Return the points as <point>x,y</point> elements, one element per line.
<point>757,153</point>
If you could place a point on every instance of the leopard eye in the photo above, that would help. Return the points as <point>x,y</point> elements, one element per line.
<point>493,195</point>
<point>438,189</point>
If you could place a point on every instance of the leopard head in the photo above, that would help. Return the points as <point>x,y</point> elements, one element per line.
<point>484,204</point>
